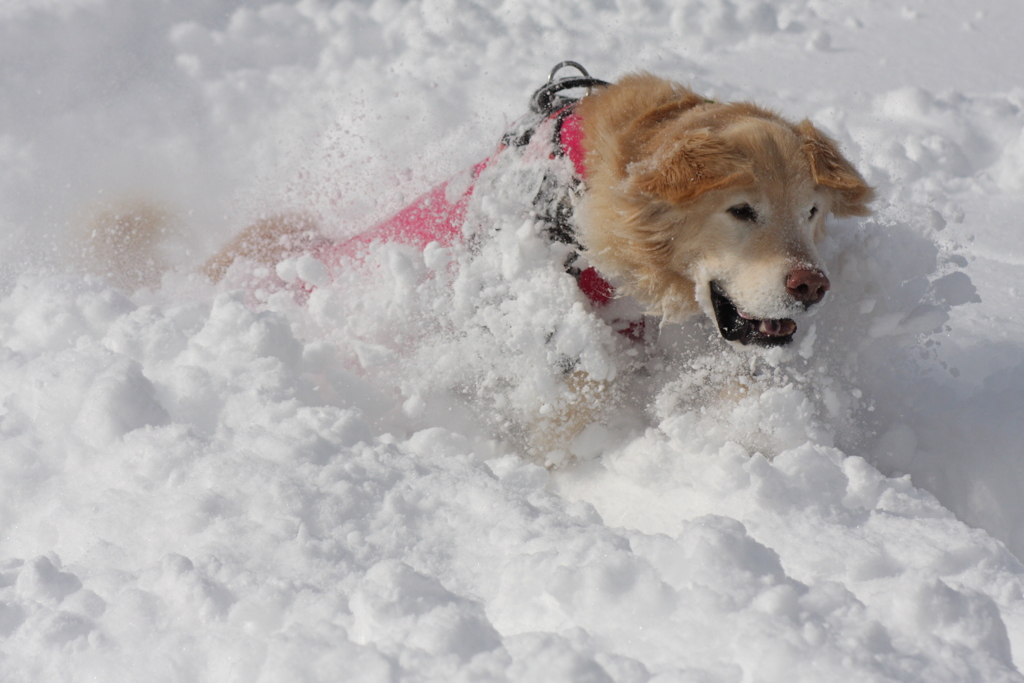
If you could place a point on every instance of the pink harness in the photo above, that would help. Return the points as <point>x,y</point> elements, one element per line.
<point>438,216</point>
<point>434,217</point>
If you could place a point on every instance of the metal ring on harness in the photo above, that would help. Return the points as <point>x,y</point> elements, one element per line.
<point>562,65</point>
<point>546,100</point>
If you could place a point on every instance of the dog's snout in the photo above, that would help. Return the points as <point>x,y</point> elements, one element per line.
<point>807,286</point>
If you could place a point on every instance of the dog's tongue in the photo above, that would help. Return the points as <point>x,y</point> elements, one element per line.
<point>734,325</point>
<point>777,328</point>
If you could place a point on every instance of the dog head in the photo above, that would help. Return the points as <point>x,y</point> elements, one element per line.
<point>717,207</point>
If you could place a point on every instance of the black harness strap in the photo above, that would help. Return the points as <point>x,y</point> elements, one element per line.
<point>553,203</point>
<point>547,100</point>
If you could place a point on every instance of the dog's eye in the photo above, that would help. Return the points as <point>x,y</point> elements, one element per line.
<point>743,212</point>
<point>814,212</point>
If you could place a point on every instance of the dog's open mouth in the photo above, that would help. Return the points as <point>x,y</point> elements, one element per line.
<point>734,326</point>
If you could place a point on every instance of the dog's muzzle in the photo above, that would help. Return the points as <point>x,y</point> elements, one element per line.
<point>733,326</point>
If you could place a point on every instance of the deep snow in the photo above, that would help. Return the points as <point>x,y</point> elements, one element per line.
<point>202,484</point>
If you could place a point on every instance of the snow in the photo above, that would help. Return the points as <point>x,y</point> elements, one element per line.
<point>219,483</point>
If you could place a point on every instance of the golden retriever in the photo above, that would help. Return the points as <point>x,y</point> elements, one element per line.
<point>687,204</point>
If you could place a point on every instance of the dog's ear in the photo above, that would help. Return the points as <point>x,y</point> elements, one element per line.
<point>692,165</point>
<point>830,169</point>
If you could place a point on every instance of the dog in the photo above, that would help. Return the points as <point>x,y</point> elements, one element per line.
<point>688,204</point>
<point>661,196</point>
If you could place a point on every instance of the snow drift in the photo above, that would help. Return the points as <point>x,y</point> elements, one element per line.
<point>196,485</point>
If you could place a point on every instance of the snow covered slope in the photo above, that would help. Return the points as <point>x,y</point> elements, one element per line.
<point>198,487</point>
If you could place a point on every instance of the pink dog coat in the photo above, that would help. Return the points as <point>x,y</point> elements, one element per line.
<point>438,216</point>
<point>435,217</point>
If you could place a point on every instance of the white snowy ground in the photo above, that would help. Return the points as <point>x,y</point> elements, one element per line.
<point>197,488</point>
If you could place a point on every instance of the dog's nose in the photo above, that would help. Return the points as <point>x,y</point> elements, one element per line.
<point>806,285</point>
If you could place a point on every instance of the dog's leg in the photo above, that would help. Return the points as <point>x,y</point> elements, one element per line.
<point>266,242</point>
<point>585,401</point>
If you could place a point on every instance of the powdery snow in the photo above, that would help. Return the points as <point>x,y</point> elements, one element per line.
<point>204,483</point>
